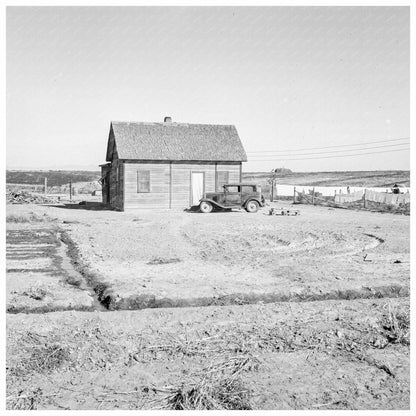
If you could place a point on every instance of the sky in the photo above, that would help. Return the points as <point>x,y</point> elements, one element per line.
<point>308,88</point>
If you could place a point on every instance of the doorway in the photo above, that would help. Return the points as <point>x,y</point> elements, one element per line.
<point>197,187</point>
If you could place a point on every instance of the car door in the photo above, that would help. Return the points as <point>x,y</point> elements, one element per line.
<point>232,196</point>
<point>246,192</point>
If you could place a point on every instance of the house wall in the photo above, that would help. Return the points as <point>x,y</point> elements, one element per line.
<point>116,186</point>
<point>170,182</point>
<point>105,185</point>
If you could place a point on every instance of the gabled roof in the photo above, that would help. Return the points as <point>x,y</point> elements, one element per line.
<point>175,141</point>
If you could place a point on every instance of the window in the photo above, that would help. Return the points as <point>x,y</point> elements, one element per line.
<point>249,189</point>
<point>143,181</point>
<point>233,188</point>
<point>222,179</point>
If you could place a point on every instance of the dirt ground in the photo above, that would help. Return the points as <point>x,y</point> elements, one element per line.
<point>174,258</point>
<point>302,312</point>
<point>311,355</point>
<point>40,276</point>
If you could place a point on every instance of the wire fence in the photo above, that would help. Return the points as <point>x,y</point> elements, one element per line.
<point>394,201</point>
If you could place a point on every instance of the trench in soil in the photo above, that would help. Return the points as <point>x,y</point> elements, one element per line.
<point>79,279</point>
<point>137,302</point>
<point>36,245</point>
<point>67,260</point>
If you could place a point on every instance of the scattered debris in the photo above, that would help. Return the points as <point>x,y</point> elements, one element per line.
<point>160,260</point>
<point>23,197</point>
<point>219,388</point>
<point>36,293</point>
<point>283,211</point>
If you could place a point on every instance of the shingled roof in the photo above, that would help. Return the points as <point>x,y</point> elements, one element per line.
<point>175,141</point>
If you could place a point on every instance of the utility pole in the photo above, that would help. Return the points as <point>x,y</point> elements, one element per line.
<point>46,186</point>
<point>272,181</point>
<point>70,190</point>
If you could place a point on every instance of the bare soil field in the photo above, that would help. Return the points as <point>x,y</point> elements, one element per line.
<point>382,178</point>
<point>305,312</point>
<point>312,355</point>
<point>154,259</point>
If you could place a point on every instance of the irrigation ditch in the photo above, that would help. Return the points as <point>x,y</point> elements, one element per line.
<point>68,262</point>
<point>113,302</point>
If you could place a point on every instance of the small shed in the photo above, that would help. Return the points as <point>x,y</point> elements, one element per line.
<point>167,164</point>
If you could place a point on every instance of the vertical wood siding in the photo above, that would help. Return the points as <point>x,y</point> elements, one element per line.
<point>116,185</point>
<point>234,172</point>
<point>104,187</point>
<point>170,183</point>
<point>158,197</point>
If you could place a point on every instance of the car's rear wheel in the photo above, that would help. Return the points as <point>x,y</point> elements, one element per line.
<point>205,207</point>
<point>252,206</point>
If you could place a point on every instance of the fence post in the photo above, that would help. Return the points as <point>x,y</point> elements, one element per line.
<point>313,196</point>
<point>294,194</point>
<point>46,186</point>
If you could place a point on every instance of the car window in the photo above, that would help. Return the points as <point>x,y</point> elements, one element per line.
<point>248,189</point>
<point>232,189</point>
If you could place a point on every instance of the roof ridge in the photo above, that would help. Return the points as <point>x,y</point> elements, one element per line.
<point>173,123</point>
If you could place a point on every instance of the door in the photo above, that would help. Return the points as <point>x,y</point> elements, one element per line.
<point>232,196</point>
<point>197,187</point>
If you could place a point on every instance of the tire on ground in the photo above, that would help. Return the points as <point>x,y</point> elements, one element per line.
<point>205,207</point>
<point>252,206</point>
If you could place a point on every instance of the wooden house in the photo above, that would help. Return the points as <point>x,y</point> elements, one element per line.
<point>167,164</point>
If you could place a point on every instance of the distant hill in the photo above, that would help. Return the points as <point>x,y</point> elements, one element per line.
<point>55,177</point>
<point>385,178</point>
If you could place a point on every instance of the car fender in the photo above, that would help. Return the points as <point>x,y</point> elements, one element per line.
<point>252,199</point>
<point>215,204</point>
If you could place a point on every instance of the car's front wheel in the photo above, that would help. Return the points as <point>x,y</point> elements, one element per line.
<point>252,206</point>
<point>205,207</point>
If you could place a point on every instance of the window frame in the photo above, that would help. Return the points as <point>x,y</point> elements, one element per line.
<point>140,181</point>
<point>220,184</point>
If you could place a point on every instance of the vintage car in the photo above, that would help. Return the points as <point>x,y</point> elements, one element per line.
<point>234,195</point>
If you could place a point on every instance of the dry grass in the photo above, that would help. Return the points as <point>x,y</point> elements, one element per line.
<point>396,325</point>
<point>37,354</point>
<point>27,401</point>
<point>347,339</point>
<point>217,387</point>
<point>26,218</point>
